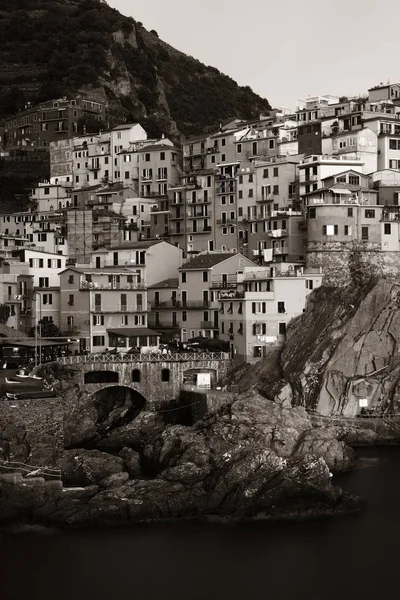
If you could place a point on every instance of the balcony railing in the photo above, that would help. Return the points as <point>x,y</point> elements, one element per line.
<point>135,358</point>
<point>223,283</point>
<point>90,285</point>
<point>194,304</point>
<point>208,325</point>
<point>166,304</point>
<point>205,229</point>
<point>226,221</point>
<point>281,250</point>
<point>123,308</point>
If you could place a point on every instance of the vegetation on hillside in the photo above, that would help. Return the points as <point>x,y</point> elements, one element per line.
<point>67,46</point>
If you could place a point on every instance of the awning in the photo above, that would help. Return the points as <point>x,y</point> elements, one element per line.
<point>132,332</point>
<point>341,191</point>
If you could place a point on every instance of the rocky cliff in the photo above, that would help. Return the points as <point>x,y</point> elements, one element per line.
<point>253,457</point>
<point>344,348</point>
<point>69,46</point>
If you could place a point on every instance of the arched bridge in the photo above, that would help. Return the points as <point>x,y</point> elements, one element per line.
<point>156,377</point>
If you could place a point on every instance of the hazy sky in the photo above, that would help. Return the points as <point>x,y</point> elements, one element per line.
<point>285,50</point>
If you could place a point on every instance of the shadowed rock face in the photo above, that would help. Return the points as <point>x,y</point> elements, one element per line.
<point>253,457</point>
<point>345,346</point>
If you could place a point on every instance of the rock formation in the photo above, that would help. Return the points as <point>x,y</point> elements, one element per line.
<point>254,457</point>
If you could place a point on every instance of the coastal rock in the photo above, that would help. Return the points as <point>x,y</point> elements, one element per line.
<point>135,434</point>
<point>322,442</point>
<point>131,462</point>
<point>113,481</point>
<point>87,467</point>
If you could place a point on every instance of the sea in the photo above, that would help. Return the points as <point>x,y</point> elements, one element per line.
<point>355,557</point>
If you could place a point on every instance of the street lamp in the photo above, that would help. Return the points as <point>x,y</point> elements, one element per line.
<point>38,329</point>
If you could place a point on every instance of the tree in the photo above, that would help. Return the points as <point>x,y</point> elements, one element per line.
<point>48,329</point>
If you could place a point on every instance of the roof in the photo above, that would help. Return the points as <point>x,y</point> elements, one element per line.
<point>125,126</point>
<point>31,343</point>
<point>344,172</point>
<point>159,147</point>
<point>136,245</point>
<point>208,260</point>
<point>103,270</point>
<point>166,283</point>
<point>132,331</point>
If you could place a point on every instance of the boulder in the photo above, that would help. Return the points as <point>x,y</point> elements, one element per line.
<point>322,443</point>
<point>114,481</point>
<point>131,462</point>
<point>88,467</point>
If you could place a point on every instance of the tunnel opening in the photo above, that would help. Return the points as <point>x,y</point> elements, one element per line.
<point>116,406</point>
<point>101,377</point>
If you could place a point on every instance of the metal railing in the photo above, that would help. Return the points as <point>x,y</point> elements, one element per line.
<point>145,358</point>
<point>30,470</point>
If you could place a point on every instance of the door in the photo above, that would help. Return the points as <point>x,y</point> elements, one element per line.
<point>98,264</point>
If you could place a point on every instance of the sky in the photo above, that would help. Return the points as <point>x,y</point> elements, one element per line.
<point>284,50</point>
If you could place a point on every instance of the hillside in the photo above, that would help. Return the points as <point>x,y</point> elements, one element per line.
<point>68,46</point>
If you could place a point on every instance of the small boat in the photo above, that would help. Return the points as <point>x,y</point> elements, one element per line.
<point>12,381</point>
<point>23,376</point>
<point>10,396</point>
<point>35,377</point>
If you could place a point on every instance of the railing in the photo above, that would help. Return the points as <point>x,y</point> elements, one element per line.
<point>166,304</point>
<point>88,285</point>
<point>145,358</point>
<point>281,250</point>
<point>30,470</point>
<point>194,304</point>
<point>208,325</point>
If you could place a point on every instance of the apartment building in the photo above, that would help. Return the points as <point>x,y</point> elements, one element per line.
<point>16,292</point>
<point>44,268</point>
<point>344,210</point>
<point>259,304</point>
<point>308,117</point>
<point>387,183</point>
<point>49,121</point>
<point>106,307</point>
<point>165,306</point>
<point>200,282</point>
<point>313,169</point>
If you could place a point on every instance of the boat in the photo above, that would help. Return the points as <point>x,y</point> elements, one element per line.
<point>12,381</point>
<point>35,377</point>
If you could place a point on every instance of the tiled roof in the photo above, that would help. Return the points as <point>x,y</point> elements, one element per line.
<point>125,126</point>
<point>133,245</point>
<point>206,260</point>
<point>167,283</point>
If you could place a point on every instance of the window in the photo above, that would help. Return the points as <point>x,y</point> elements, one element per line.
<point>136,376</point>
<point>258,307</point>
<point>312,213</point>
<point>40,263</point>
<point>276,172</point>
<point>240,180</point>
<point>251,193</point>
<point>309,284</point>
<point>184,315</point>
<point>251,178</point>
<point>71,279</point>
<point>147,157</point>
<point>239,148</point>
<point>347,230</point>
<point>275,190</point>
<point>265,174</point>
<point>282,328</point>
<point>364,234</point>
<point>330,230</point>
<point>165,375</point>
<point>223,157</point>
<point>43,282</point>
<point>354,180</point>
<point>369,214</point>
<point>205,275</point>
<point>98,340</point>
<point>281,307</point>
<point>387,229</point>
<point>47,298</point>
<point>71,300</point>
<point>183,277</point>
<point>349,212</point>
<point>162,155</point>
<point>223,142</point>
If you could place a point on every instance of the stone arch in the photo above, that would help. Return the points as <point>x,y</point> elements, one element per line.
<point>101,377</point>
<point>117,405</point>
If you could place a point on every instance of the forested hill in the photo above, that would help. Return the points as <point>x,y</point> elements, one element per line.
<point>54,48</point>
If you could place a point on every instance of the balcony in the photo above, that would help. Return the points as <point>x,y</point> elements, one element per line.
<point>219,282</point>
<point>230,189</point>
<point>277,233</point>
<point>269,198</point>
<point>199,216</point>
<point>94,167</point>
<point>95,286</point>
<point>176,218</point>
<point>166,304</point>
<point>281,250</point>
<point>163,326</point>
<point>205,229</point>
<point>200,200</point>
<point>123,308</point>
<point>191,304</point>
<point>208,325</point>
